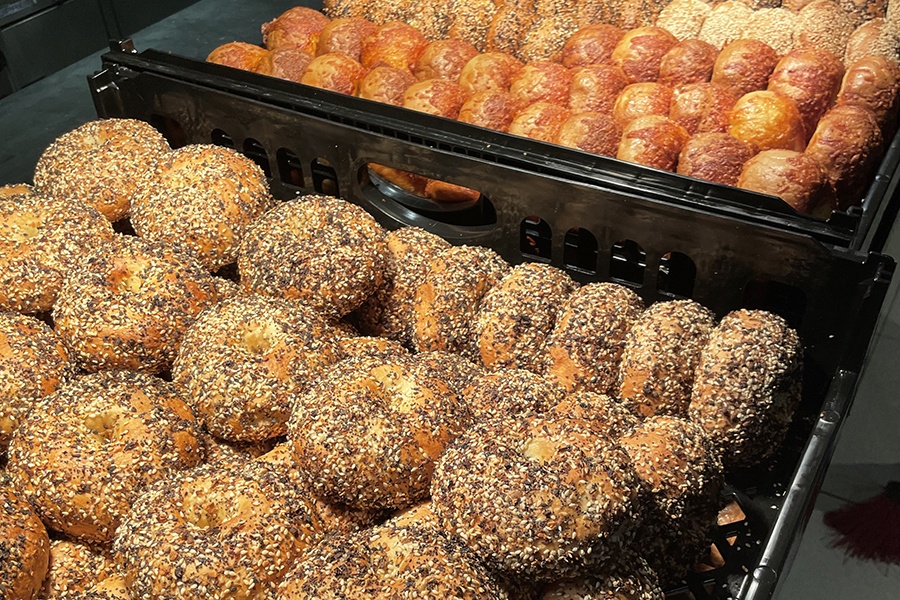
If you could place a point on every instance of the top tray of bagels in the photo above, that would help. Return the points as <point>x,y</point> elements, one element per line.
<point>796,101</point>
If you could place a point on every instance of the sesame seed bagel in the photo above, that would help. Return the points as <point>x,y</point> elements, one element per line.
<point>661,351</point>
<point>682,477</point>
<point>128,305</point>
<point>41,240</point>
<point>584,348</point>
<point>683,18</point>
<point>33,364</point>
<point>511,392</point>
<point>448,298</point>
<point>372,429</point>
<point>320,249</point>
<point>243,360</point>
<point>540,497</point>
<point>74,568</point>
<point>396,560</point>
<point>388,311</point>
<point>605,415</point>
<point>627,576</point>
<point>332,516</point>
<point>747,385</point>
<point>215,532</point>
<point>24,546</point>
<point>102,163</point>
<point>84,453</point>
<point>205,197</point>
<point>517,314</point>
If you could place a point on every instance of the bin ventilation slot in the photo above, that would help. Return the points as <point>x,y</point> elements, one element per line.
<point>627,263</point>
<point>433,199</point>
<point>290,169</point>
<point>171,130</point>
<point>257,153</point>
<point>580,251</point>
<point>324,177</point>
<point>677,275</point>
<point>779,298</point>
<point>220,138</point>
<point>535,238</point>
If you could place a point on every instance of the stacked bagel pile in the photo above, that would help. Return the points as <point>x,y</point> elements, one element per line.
<point>795,102</point>
<point>357,413</point>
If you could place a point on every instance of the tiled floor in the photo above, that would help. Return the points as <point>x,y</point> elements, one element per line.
<point>868,452</point>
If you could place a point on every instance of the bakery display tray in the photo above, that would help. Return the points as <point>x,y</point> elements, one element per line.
<point>599,219</point>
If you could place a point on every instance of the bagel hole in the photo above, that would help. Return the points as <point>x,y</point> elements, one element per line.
<point>204,508</point>
<point>20,227</point>
<point>103,425</point>
<point>259,337</point>
<point>128,277</point>
<point>540,449</point>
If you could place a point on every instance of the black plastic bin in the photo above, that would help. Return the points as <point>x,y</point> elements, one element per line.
<point>606,222</point>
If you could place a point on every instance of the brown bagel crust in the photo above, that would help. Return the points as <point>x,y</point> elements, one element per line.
<point>204,198</point>
<point>518,313</point>
<point>747,385</point>
<point>662,349</point>
<point>389,561</point>
<point>448,298</point>
<point>373,445</point>
<point>539,497</point>
<point>74,568</point>
<point>24,546</point>
<point>585,347</point>
<point>33,364</point>
<point>243,360</point>
<point>511,392</point>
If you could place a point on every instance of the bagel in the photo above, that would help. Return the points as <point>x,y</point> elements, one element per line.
<point>83,454</point>
<point>102,163</point>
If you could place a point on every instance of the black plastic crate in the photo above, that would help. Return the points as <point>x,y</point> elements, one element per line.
<point>603,225</point>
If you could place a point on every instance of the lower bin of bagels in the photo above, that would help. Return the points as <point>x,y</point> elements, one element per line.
<point>663,236</point>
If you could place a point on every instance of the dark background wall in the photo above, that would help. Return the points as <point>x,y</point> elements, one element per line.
<point>39,37</point>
